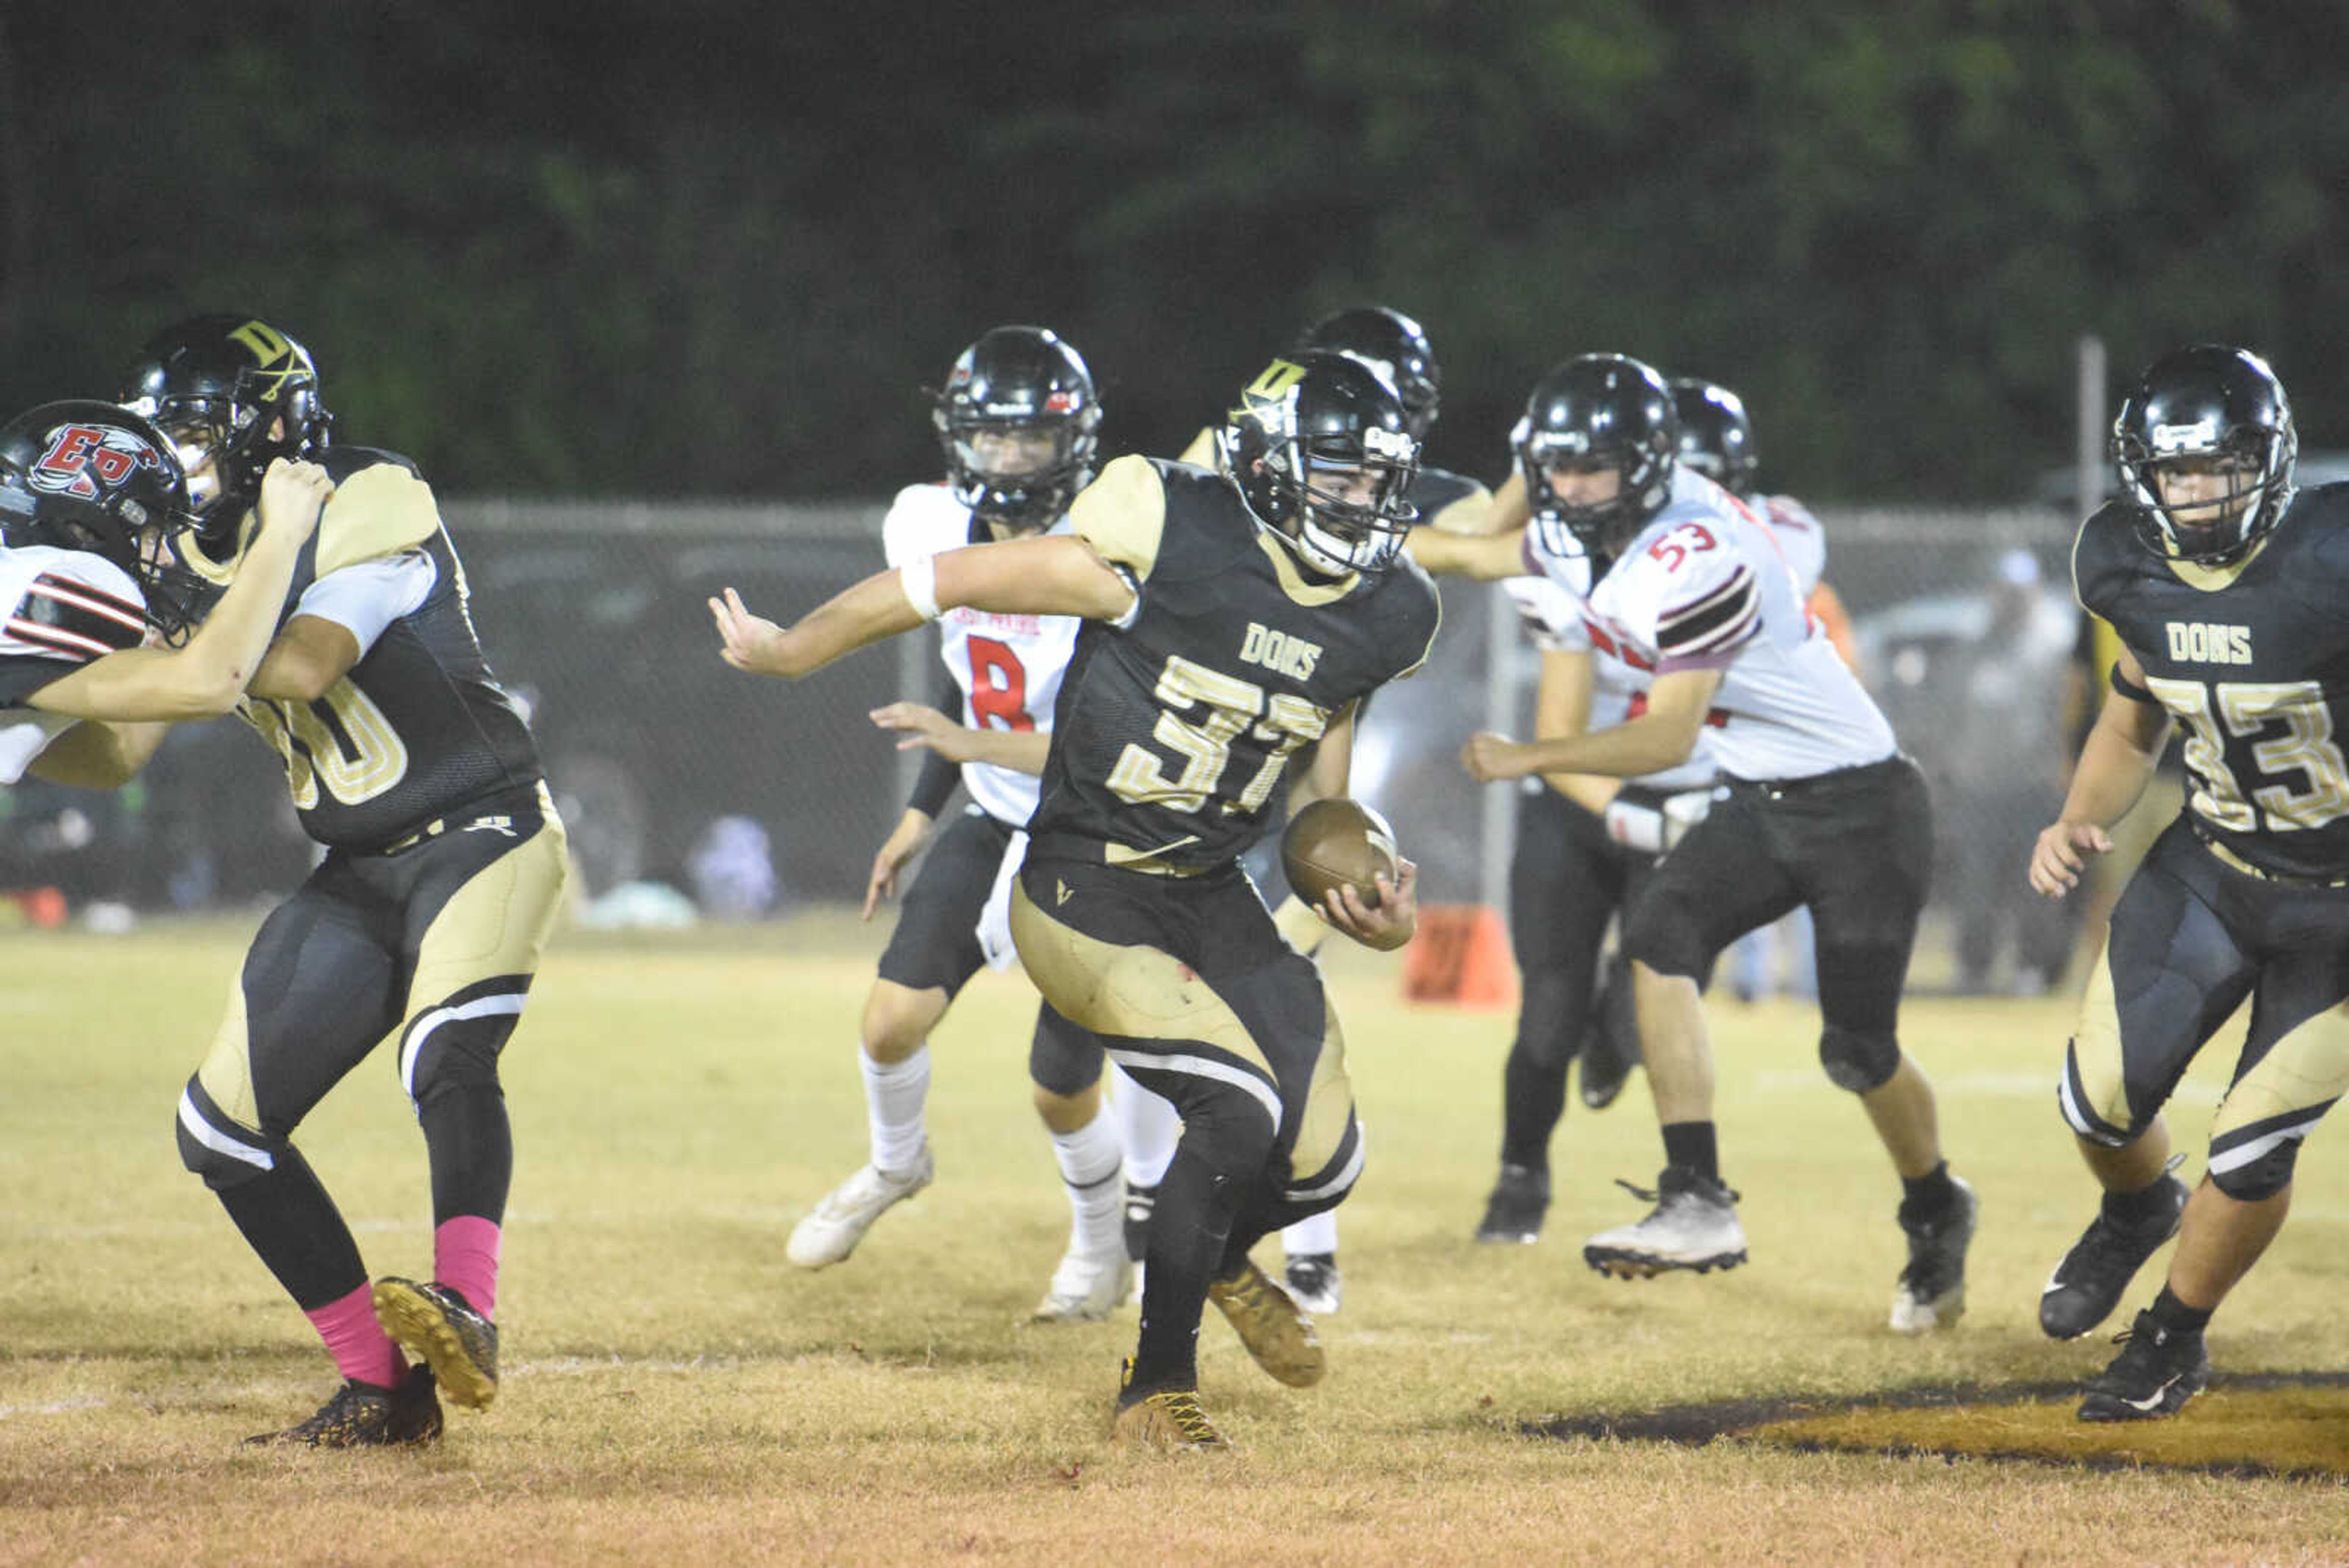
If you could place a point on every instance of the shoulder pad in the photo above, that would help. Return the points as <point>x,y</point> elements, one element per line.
<point>922,521</point>
<point>1123,513</point>
<point>1446,500</point>
<point>380,510</point>
<point>1203,451</point>
<point>2102,555</point>
<point>342,461</point>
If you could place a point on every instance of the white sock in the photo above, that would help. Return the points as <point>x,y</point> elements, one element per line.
<point>1089,1169</point>
<point>895,1093</point>
<point>1148,1127</point>
<point>1316,1233</point>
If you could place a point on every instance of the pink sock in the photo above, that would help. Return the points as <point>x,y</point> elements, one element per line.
<point>362,1351</point>
<point>465,1259</point>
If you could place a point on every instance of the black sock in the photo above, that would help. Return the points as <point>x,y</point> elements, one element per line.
<point>1189,1229</point>
<point>1930,1194</point>
<point>1691,1144</point>
<point>2176,1316</point>
<point>287,1218</point>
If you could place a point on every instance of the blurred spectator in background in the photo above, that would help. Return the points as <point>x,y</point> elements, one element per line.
<point>2005,777</point>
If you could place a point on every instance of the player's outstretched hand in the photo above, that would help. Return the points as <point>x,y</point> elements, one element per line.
<point>913,831</point>
<point>1391,922</point>
<point>919,724</point>
<point>751,642</point>
<point>1490,758</point>
<point>293,494</point>
<point>2062,854</point>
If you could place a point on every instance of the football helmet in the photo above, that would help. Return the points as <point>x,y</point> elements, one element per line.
<point>1395,346</point>
<point>87,475</point>
<point>1716,438</point>
<point>234,393</point>
<point>1601,410</point>
<point>1019,421</point>
<point>1322,451</point>
<point>2222,409</point>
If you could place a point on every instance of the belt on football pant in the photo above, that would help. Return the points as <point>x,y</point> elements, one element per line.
<point>2234,862</point>
<point>528,795</point>
<point>1779,789</point>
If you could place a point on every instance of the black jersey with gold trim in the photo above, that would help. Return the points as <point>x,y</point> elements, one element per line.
<point>2252,661</point>
<point>419,727</point>
<point>1175,725</point>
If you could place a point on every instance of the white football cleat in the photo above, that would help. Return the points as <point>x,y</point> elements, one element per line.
<point>1693,1226</point>
<point>1086,1287</point>
<point>829,1235</point>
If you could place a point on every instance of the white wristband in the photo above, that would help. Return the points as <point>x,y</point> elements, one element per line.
<point>920,581</point>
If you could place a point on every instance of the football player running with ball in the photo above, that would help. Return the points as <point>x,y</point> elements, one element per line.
<point>1681,582</point>
<point>1230,622</point>
<point>442,872</point>
<point>1018,419</point>
<point>2226,588</point>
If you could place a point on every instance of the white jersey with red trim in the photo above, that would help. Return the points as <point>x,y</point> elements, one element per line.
<point>1800,538</point>
<point>1009,667</point>
<point>1705,586</point>
<point>1553,619</point>
<point>64,609</point>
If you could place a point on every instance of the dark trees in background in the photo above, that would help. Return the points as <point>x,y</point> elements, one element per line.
<point>701,248</point>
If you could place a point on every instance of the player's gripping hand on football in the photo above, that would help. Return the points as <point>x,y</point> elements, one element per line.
<point>1386,925</point>
<point>2062,853</point>
<point>904,842</point>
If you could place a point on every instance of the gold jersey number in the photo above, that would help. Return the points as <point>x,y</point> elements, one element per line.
<point>342,743</point>
<point>1202,712</point>
<point>2294,726</point>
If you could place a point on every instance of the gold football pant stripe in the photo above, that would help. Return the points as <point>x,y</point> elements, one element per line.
<point>1138,993</point>
<point>1145,993</point>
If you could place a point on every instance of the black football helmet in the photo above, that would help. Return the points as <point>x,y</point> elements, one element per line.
<point>1017,380</point>
<point>87,475</point>
<point>1395,346</point>
<point>1600,410</point>
<point>1716,438</point>
<point>1322,453</point>
<point>2208,405</point>
<point>219,387</point>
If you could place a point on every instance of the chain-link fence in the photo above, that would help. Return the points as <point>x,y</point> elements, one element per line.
<point>745,794</point>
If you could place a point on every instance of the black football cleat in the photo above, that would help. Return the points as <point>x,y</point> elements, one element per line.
<point>2095,1274</point>
<point>1519,1202</point>
<point>2157,1370</point>
<point>437,1322</point>
<point>362,1416</point>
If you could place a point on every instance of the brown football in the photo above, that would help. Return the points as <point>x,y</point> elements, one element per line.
<point>1334,842</point>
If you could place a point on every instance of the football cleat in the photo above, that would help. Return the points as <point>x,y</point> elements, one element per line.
<point>1085,1288</point>
<point>1932,1289</point>
<point>1169,1421</point>
<point>437,1324</point>
<point>2089,1282</point>
<point>1693,1226</point>
<point>830,1233</point>
<point>1519,1202</point>
<point>2157,1370</point>
<point>1268,1323</point>
<point>362,1416</point>
<point>1314,1283</point>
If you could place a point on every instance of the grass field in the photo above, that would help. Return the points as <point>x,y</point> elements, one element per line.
<point>676,1392</point>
